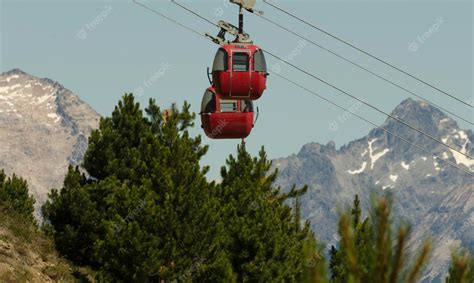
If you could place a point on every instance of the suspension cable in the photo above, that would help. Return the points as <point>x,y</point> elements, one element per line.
<point>367,104</point>
<point>371,123</point>
<point>362,67</point>
<point>325,99</point>
<point>367,53</point>
<point>168,18</point>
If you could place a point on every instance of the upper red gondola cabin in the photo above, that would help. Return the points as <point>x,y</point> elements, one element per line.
<point>240,71</point>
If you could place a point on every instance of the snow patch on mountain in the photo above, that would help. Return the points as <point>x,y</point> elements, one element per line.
<point>54,116</point>
<point>388,187</point>
<point>42,99</point>
<point>394,178</point>
<point>358,171</point>
<point>405,165</point>
<point>377,156</point>
<point>8,79</point>
<point>462,159</point>
<point>436,165</point>
<point>459,137</point>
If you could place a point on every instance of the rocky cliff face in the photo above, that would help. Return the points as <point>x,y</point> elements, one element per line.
<point>43,128</point>
<point>435,197</point>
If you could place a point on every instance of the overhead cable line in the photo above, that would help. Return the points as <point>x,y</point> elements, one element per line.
<point>367,53</point>
<point>372,123</point>
<point>325,99</point>
<point>338,89</point>
<point>368,104</point>
<point>362,68</point>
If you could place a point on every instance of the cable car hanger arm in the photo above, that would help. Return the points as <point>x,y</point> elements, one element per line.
<point>226,27</point>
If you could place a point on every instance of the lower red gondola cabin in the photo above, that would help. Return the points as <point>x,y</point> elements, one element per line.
<point>226,119</point>
<point>240,71</point>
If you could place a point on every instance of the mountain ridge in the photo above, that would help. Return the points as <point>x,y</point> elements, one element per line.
<point>423,187</point>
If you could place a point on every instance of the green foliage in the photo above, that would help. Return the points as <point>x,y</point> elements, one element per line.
<point>75,218</point>
<point>266,238</point>
<point>368,251</point>
<point>148,214</point>
<point>363,238</point>
<point>461,269</point>
<point>315,264</point>
<point>14,197</point>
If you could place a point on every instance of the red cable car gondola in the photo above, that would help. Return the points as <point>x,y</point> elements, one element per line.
<point>239,71</point>
<point>226,119</point>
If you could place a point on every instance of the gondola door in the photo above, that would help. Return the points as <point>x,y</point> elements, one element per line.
<point>240,73</point>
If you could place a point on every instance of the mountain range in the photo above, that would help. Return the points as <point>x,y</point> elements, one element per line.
<point>434,196</point>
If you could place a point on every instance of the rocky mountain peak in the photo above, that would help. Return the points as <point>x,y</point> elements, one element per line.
<point>412,110</point>
<point>420,115</point>
<point>43,129</point>
<point>15,71</point>
<point>19,75</point>
<point>318,149</point>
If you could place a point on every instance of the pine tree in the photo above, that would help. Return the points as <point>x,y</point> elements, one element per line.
<point>315,267</point>
<point>369,253</point>
<point>15,197</point>
<point>363,238</point>
<point>461,269</point>
<point>154,215</point>
<point>337,266</point>
<point>75,218</point>
<point>266,237</point>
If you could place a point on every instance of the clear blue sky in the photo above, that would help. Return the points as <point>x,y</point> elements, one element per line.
<point>103,49</point>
